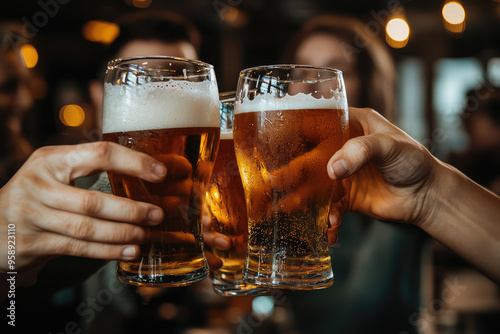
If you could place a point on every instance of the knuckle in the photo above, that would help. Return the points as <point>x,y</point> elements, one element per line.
<point>362,147</point>
<point>83,229</point>
<point>42,152</point>
<point>73,247</point>
<point>101,150</point>
<point>133,233</point>
<point>91,203</point>
<point>135,213</point>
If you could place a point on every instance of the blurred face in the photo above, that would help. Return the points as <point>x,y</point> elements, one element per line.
<point>322,49</point>
<point>15,98</point>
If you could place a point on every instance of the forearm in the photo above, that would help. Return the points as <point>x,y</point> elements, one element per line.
<point>466,218</point>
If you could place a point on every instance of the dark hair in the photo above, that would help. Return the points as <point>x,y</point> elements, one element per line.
<point>154,26</point>
<point>374,62</point>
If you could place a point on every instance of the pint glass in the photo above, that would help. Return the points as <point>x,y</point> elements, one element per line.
<point>226,204</point>
<point>289,121</point>
<point>168,108</point>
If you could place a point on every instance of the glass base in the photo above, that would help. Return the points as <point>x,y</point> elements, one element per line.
<point>170,280</point>
<point>291,281</point>
<point>230,284</point>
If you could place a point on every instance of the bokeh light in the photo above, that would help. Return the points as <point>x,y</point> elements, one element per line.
<point>100,31</point>
<point>29,55</point>
<point>72,115</point>
<point>454,13</point>
<point>397,32</point>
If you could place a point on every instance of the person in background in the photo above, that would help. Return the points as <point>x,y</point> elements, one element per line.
<point>64,234</point>
<point>481,119</point>
<point>15,101</point>
<point>377,266</point>
<point>343,43</point>
<point>147,33</point>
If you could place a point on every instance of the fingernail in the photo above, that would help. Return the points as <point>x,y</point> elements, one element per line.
<point>340,169</point>
<point>334,222</point>
<point>129,253</point>
<point>155,215</point>
<point>222,243</point>
<point>159,169</point>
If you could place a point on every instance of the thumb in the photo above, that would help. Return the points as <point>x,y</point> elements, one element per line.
<point>356,153</point>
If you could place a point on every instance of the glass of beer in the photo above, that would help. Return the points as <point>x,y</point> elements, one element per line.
<point>289,121</point>
<point>169,108</point>
<point>226,205</point>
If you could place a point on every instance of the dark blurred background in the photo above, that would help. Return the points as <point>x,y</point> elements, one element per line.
<point>243,33</point>
<point>436,67</point>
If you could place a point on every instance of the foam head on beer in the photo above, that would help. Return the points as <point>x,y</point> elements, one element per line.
<point>160,105</point>
<point>301,101</point>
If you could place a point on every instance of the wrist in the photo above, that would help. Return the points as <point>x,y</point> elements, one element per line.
<point>439,187</point>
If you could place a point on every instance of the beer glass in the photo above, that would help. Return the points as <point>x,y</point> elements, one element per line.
<point>169,108</point>
<point>289,121</point>
<point>226,204</point>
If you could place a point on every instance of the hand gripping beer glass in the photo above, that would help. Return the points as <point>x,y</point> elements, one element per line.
<point>226,204</point>
<point>289,121</point>
<point>168,108</point>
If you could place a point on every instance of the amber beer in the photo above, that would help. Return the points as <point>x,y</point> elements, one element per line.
<point>176,122</point>
<point>226,204</point>
<point>283,144</point>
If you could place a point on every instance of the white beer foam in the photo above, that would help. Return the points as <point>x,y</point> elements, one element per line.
<point>160,105</point>
<point>266,102</point>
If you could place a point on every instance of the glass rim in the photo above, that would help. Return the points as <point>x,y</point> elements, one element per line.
<point>226,96</point>
<point>118,63</point>
<point>245,72</point>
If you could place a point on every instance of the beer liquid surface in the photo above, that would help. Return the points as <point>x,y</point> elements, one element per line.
<point>188,154</point>
<point>226,202</point>
<point>282,155</point>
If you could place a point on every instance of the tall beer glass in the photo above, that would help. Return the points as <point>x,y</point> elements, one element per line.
<point>168,108</point>
<point>226,204</point>
<point>289,121</point>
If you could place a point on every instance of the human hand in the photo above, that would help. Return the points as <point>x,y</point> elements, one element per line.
<point>52,218</point>
<point>386,173</point>
<point>213,240</point>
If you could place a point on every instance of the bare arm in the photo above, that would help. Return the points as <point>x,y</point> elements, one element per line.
<point>466,219</point>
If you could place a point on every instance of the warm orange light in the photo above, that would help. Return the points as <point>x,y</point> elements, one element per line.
<point>453,13</point>
<point>100,31</point>
<point>233,17</point>
<point>397,32</point>
<point>72,115</point>
<point>398,29</point>
<point>141,3</point>
<point>29,55</point>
